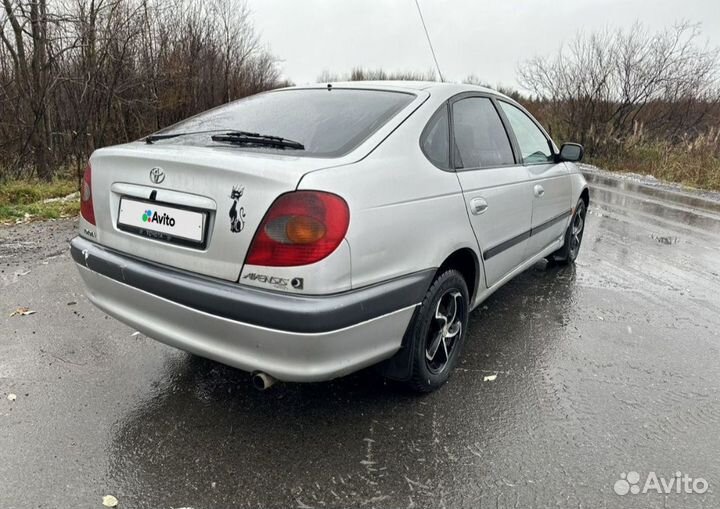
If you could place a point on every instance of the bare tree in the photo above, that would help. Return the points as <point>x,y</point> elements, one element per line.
<point>603,85</point>
<point>28,49</point>
<point>78,74</point>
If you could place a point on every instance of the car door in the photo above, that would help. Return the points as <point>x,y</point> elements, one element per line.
<point>496,189</point>
<point>551,187</point>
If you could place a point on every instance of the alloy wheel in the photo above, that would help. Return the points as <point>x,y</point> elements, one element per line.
<point>445,330</point>
<point>576,231</point>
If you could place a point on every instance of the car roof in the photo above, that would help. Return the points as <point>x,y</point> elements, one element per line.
<point>406,86</point>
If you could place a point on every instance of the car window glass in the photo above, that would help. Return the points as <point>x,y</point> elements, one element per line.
<point>480,140</point>
<point>435,141</point>
<point>329,123</point>
<point>534,146</point>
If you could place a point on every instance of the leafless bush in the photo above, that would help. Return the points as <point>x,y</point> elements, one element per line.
<point>78,74</point>
<point>602,86</point>
<point>361,74</point>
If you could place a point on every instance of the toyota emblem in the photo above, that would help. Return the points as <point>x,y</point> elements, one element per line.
<point>157,175</point>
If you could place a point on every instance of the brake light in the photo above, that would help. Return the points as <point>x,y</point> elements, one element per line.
<point>301,227</point>
<point>87,210</point>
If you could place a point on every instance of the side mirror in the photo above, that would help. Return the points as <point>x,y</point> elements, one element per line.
<point>572,152</point>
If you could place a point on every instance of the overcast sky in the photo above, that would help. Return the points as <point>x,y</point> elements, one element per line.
<point>487,38</point>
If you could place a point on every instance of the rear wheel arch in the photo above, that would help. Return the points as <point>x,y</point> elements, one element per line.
<point>465,261</point>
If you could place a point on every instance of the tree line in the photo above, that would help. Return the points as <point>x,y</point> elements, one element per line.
<point>614,90</point>
<point>607,88</point>
<point>81,74</point>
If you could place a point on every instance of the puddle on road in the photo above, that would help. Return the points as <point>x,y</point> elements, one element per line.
<point>679,196</point>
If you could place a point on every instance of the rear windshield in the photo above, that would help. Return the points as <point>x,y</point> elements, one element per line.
<point>329,123</point>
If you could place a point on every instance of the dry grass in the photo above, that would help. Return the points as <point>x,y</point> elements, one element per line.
<point>693,162</point>
<point>31,199</point>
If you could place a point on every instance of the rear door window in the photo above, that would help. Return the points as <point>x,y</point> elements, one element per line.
<point>480,140</point>
<point>329,123</point>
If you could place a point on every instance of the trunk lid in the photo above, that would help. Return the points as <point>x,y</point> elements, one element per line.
<point>198,179</point>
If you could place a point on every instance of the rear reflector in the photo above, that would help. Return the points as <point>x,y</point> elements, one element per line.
<point>87,211</point>
<point>300,228</point>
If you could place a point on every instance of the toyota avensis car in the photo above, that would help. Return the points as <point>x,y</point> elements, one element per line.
<point>304,233</point>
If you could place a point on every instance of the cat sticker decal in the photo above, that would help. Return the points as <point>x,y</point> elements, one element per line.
<point>237,214</point>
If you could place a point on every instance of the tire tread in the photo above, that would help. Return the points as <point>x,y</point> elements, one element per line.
<point>418,382</point>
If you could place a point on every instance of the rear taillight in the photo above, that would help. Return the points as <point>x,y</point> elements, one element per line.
<point>301,227</point>
<point>87,211</point>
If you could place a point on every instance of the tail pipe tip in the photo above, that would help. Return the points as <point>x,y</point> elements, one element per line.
<point>262,381</point>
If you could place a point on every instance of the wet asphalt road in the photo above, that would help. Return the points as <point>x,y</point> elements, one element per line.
<point>603,368</point>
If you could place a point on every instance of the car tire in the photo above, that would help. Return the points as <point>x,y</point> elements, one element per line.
<point>436,335</point>
<point>573,237</point>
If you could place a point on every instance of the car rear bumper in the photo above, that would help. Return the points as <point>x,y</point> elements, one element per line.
<point>291,337</point>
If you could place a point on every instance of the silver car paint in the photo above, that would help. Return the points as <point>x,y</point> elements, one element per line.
<point>505,192</point>
<point>555,200</point>
<point>406,215</point>
<point>210,173</point>
<point>296,357</point>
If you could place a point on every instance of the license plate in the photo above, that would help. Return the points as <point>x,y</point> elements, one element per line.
<point>162,222</point>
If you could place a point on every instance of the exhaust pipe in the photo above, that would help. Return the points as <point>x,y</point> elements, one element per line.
<point>262,381</point>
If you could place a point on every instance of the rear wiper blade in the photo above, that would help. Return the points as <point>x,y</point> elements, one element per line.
<point>248,138</point>
<point>241,137</point>
<point>157,137</point>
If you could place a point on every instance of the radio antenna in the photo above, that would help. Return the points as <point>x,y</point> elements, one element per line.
<point>432,50</point>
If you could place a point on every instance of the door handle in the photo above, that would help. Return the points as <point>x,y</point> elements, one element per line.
<point>539,191</point>
<point>478,205</point>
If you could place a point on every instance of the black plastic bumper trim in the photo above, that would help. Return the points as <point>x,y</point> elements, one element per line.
<point>274,310</point>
